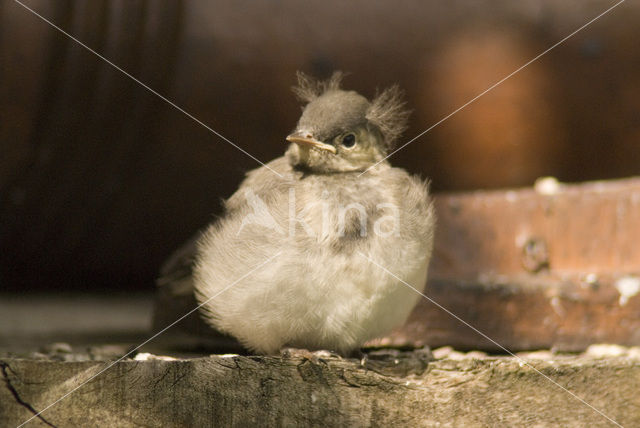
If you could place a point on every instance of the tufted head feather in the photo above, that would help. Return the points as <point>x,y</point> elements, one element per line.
<point>387,111</point>
<point>389,114</point>
<point>308,88</point>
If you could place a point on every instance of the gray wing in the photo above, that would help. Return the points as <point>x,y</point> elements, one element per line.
<point>263,180</point>
<point>179,266</point>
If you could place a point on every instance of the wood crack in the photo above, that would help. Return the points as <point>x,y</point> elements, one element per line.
<point>5,367</point>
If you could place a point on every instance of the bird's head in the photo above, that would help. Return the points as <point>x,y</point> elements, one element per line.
<point>341,131</point>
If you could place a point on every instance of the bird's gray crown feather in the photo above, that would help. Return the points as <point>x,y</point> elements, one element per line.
<point>387,111</point>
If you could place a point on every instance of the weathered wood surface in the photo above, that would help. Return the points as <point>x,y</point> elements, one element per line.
<point>555,266</point>
<point>271,391</point>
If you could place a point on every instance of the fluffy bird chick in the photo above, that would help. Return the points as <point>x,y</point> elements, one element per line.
<point>287,264</point>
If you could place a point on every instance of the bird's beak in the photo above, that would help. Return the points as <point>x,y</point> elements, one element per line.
<point>305,139</point>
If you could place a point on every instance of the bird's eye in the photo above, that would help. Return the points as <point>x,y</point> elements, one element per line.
<point>349,140</point>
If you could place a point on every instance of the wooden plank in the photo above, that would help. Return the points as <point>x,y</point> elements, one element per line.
<point>271,391</point>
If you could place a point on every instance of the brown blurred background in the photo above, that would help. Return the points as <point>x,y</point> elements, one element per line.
<point>100,179</point>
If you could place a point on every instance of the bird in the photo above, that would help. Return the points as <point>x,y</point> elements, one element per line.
<point>316,248</point>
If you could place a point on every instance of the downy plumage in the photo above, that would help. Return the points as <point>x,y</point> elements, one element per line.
<point>319,222</point>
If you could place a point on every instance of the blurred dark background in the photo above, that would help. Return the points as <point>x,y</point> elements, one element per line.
<point>100,179</point>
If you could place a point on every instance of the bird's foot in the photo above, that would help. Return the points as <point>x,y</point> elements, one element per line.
<point>315,357</point>
<point>395,362</point>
